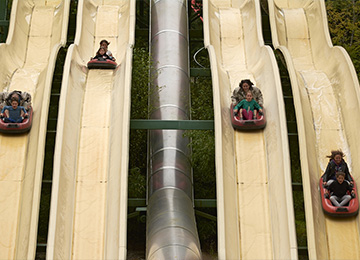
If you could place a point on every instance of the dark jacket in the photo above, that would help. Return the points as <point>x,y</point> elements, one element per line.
<point>102,57</point>
<point>338,189</point>
<point>332,168</point>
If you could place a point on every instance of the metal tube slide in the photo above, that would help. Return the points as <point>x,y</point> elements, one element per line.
<point>37,31</point>
<point>171,228</point>
<point>88,212</point>
<point>254,195</point>
<point>326,98</point>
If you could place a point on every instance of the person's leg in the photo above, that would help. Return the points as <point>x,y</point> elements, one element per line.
<point>247,115</point>
<point>345,200</point>
<point>255,114</point>
<point>334,200</point>
<point>251,115</point>
<point>8,120</point>
<point>241,113</point>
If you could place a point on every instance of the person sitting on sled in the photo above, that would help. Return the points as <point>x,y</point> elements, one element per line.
<point>248,107</point>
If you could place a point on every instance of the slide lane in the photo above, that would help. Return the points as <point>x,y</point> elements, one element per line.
<point>254,196</point>
<point>37,31</point>
<point>326,98</point>
<point>89,197</point>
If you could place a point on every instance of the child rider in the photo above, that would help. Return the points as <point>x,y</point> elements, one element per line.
<point>13,113</point>
<point>247,107</point>
<point>338,190</point>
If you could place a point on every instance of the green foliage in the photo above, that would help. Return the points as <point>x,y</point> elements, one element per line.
<point>203,163</point>
<point>140,81</point>
<point>203,159</point>
<point>201,99</point>
<point>300,223</point>
<point>139,110</point>
<point>202,142</point>
<point>344,26</point>
<point>44,214</point>
<point>137,183</point>
<point>9,3</point>
<point>207,232</point>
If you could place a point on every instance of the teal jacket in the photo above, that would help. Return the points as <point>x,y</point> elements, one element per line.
<point>247,105</point>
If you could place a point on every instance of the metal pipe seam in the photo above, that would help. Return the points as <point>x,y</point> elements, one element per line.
<point>175,179</point>
<point>169,187</point>
<point>169,66</point>
<point>169,31</point>
<point>171,199</point>
<point>170,148</point>
<point>154,2</point>
<point>178,245</point>
<point>173,252</point>
<point>178,214</point>
<point>177,170</point>
<point>168,168</point>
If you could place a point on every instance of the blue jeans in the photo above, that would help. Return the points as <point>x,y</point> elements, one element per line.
<point>10,120</point>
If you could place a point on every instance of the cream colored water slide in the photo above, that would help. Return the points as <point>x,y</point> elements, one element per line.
<point>254,195</point>
<point>326,98</point>
<point>36,33</point>
<point>89,194</point>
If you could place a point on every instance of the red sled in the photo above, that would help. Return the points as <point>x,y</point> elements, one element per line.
<point>258,123</point>
<point>101,64</point>
<point>17,128</point>
<point>352,209</point>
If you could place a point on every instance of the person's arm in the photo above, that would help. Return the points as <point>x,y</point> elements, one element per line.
<point>111,57</point>
<point>23,112</point>
<point>238,106</point>
<point>6,112</point>
<point>347,173</point>
<point>329,189</point>
<point>234,96</point>
<point>261,100</point>
<point>257,106</point>
<point>350,189</point>
<point>327,173</point>
<point>259,96</point>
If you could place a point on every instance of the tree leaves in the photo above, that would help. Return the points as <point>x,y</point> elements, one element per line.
<point>344,26</point>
